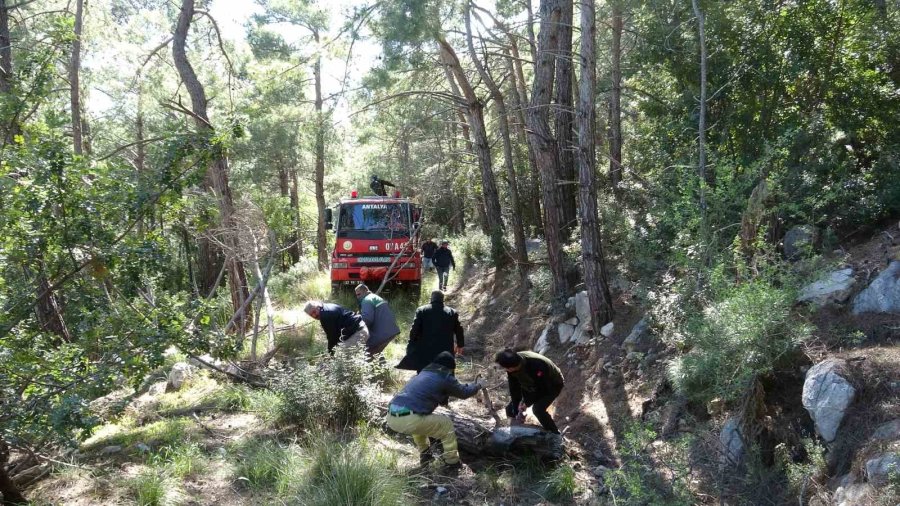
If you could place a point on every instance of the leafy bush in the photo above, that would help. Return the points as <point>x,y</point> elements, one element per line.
<point>338,391</point>
<point>182,460</point>
<point>745,332</point>
<point>474,246</point>
<point>300,282</point>
<point>353,473</point>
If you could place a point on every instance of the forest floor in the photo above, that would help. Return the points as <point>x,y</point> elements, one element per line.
<point>201,445</point>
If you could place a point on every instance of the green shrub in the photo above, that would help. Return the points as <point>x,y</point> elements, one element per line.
<point>152,487</point>
<point>560,485</point>
<point>353,473</point>
<point>745,332</point>
<point>182,460</point>
<point>800,474</point>
<point>474,246</point>
<point>338,391</point>
<point>637,481</point>
<point>301,280</point>
<point>267,465</point>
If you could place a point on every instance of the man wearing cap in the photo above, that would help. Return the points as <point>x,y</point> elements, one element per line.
<point>412,410</point>
<point>341,325</point>
<point>534,380</point>
<point>428,249</point>
<point>379,319</point>
<point>443,261</point>
<point>435,329</point>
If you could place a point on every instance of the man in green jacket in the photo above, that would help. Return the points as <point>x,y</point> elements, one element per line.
<point>534,380</point>
<point>377,314</point>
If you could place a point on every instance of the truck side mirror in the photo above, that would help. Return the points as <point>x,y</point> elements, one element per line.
<point>328,218</point>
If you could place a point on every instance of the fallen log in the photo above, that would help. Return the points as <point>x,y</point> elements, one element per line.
<point>475,438</point>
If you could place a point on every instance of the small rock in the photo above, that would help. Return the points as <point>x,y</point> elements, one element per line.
<point>832,289</point>
<point>880,469</point>
<point>180,372</point>
<point>638,337</point>
<point>573,321</point>
<point>850,493</point>
<point>565,332</point>
<point>111,450</point>
<point>582,306</point>
<point>440,492</point>
<point>543,342</point>
<point>887,431</point>
<point>222,452</point>
<point>599,471</point>
<point>800,241</point>
<point>732,443</point>
<point>607,330</point>
<point>634,355</point>
<point>142,448</point>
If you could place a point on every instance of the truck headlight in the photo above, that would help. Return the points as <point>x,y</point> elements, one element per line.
<point>339,265</point>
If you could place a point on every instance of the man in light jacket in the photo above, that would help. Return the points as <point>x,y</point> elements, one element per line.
<point>412,410</point>
<point>377,314</point>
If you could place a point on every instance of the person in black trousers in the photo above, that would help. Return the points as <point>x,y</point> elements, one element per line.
<point>534,380</point>
<point>443,261</point>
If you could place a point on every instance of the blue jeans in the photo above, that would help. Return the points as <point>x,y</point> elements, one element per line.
<point>443,273</point>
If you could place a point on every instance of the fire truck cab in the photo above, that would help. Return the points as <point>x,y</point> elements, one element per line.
<point>376,238</point>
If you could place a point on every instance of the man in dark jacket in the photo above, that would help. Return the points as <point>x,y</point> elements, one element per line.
<point>534,380</point>
<point>377,185</point>
<point>435,329</point>
<point>443,261</point>
<point>379,319</point>
<point>412,410</point>
<point>341,326</point>
<point>428,249</point>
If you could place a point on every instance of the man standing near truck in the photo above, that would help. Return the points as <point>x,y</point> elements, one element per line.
<point>443,261</point>
<point>428,249</point>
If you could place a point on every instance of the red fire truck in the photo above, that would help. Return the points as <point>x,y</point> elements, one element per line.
<point>376,239</point>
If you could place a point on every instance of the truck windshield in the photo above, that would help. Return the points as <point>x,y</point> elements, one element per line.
<point>373,220</point>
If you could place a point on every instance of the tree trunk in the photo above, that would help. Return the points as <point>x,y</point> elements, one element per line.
<point>521,255</point>
<point>615,100</point>
<point>545,145</point>
<point>481,145</point>
<point>520,98</point>
<point>321,239</point>
<point>265,302</point>
<point>8,489</point>
<point>284,190</point>
<point>564,117</point>
<point>701,127</point>
<point>216,175</point>
<point>595,278</point>
<point>9,130</point>
<point>296,248</point>
<point>74,87</point>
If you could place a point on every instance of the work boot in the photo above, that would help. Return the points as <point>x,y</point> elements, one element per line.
<point>453,468</point>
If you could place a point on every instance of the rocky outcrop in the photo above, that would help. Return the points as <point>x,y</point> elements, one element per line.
<point>882,295</point>
<point>827,395</point>
<point>180,373</point>
<point>577,329</point>
<point>543,342</point>
<point>835,288</point>
<point>851,493</point>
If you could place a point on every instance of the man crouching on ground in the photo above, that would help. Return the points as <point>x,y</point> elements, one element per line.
<point>534,380</point>
<point>412,410</point>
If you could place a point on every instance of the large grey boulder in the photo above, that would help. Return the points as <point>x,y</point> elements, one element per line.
<point>639,337</point>
<point>835,288</point>
<point>880,469</point>
<point>800,241</point>
<point>180,373</point>
<point>826,396</point>
<point>731,443</point>
<point>882,295</point>
<point>887,431</point>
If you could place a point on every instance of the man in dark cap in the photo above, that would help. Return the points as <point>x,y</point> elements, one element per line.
<point>412,410</point>
<point>534,380</point>
<point>435,329</point>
